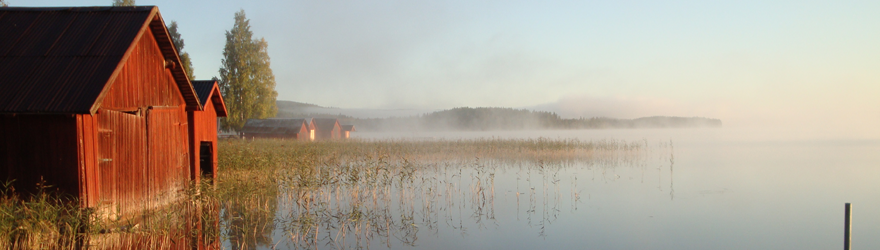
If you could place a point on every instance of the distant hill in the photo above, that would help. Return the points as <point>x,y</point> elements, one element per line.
<point>466,118</point>
<point>291,109</point>
<point>675,122</point>
<point>483,118</point>
<point>291,105</point>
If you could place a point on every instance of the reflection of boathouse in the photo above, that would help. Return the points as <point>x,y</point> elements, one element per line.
<point>94,103</point>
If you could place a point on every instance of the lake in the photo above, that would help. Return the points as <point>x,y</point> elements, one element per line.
<point>687,189</point>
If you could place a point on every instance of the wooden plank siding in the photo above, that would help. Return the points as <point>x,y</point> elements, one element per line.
<point>87,138</point>
<point>139,159</point>
<point>144,80</point>
<point>204,129</point>
<point>121,161</point>
<point>144,115</point>
<point>95,104</point>
<point>167,133</point>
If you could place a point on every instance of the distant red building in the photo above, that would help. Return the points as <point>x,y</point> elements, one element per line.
<point>203,129</point>
<point>311,123</point>
<point>327,128</point>
<point>93,102</point>
<point>346,131</point>
<point>280,128</point>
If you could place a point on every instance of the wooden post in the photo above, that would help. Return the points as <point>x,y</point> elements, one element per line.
<point>847,227</point>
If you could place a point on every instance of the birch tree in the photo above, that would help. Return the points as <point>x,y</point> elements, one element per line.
<point>246,79</point>
<point>123,2</point>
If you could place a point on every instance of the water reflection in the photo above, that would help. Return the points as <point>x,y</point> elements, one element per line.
<point>390,201</point>
<point>671,172</point>
<point>249,211</point>
<point>779,189</point>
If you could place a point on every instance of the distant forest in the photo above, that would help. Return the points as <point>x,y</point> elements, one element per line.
<point>478,119</point>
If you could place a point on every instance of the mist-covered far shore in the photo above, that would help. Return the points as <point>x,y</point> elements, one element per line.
<point>479,119</point>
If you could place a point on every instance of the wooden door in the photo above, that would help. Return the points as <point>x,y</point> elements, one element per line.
<point>167,141</point>
<point>121,159</point>
<point>106,169</point>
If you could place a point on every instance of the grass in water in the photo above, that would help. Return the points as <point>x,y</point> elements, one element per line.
<point>336,194</point>
<point>345,194</point>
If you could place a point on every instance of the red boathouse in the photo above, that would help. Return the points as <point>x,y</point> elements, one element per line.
<point>94,103</point>
<point>279,128</point>
<point>327,128</point>
<point>203,130</point>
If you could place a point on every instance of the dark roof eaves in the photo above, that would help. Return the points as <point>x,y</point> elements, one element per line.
<point>81,8</point>
<point>79,100</point>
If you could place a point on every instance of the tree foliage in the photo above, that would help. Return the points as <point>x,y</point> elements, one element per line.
<point>3,3</point>
<point>184,56</point>
<point>246,79</point>
<point>123,2</point>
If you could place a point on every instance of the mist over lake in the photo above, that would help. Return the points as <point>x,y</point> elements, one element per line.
<point>682,188</point>
<point>473,124</point>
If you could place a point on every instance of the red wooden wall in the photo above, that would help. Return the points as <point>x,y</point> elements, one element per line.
<point>203,125</point>
<point>144,80</point>
<point>334,133</point>
<point>87,150</point>
<point>121,159</point>
<point>133,152</point>
<point>167,133</point>
<point>303,134</point>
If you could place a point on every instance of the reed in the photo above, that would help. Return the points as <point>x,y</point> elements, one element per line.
<point>48,220</point>
<point>43,220</point>
<point>326,194</point>
<point>349,194</point>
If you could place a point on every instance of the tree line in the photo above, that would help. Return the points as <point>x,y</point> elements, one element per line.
<point>485,119</point>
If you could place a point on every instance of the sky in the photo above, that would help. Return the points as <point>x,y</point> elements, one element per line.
<point>813,65</point>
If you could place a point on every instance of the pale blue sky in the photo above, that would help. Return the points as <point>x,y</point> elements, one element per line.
<point>786,62</point>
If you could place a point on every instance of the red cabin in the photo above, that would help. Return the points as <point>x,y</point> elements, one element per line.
<point>280,128</point>
<point>327,128</point>
<point>94,103</point>
<point>203,130</point>
<point>346,131</point>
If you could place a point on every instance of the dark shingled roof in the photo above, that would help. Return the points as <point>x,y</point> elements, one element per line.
<point>273,126</point>
<point>203,89</point>
<point>60,60</point>
<point>348,128</point>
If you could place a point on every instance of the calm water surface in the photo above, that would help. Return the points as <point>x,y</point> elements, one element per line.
<point>692,189</point>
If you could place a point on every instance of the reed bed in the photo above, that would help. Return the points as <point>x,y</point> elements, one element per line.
<point>48,220</point>
<point>41,221</point>
<point>361,193</point>
<point>327,194</point>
